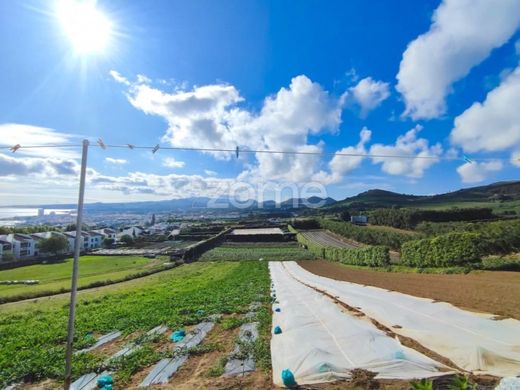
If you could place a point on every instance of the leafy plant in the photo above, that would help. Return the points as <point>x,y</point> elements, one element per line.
<point>462,383</point>
<point>424,384</point>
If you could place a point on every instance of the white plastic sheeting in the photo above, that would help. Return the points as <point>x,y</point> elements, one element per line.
<point>474,342</point>
<point>321,343</point>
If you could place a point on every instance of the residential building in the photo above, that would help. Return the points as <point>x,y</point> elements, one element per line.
<point>90,240</point>
<point>6,248</point>
<point>132,231</point>
<point>22,245</point>
<point>107,233</point>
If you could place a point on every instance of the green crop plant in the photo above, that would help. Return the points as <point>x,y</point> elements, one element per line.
<point>424,384</point>
<point>32,337</point>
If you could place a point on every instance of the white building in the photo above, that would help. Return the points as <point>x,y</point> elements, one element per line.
<point>132,231</point>
<point>107,233</point>
<point>89,240</point>
<point>22,245</point>
<point>45,235</point>
<point>5,248</point>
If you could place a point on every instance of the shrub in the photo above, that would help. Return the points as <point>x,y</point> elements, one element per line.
<point>441,251</point>
<point>496,237</point>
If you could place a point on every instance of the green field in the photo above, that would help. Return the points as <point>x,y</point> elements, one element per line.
<point>55,278</point>
<point>257,251</point>
<point>32,335</point>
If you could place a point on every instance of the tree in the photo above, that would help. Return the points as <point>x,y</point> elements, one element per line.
<point>108,242</point>
<point>72,227</point>
<point>344,215</point>
<point>127,239</point>
<point>54,244</point>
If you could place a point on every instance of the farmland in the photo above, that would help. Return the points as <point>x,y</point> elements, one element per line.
<point>55,277</point>
<point>484,291</point>
<point>256,251</point>
<point>32,336</point>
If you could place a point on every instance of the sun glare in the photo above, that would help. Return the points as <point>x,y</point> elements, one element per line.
<point>87,28</point>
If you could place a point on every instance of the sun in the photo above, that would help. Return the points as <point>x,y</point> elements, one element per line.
<point>87,28</point>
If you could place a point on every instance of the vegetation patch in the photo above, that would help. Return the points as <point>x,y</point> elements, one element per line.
<point>94,271</point>
<point>367,234</point>
<point>32,340</point>
<point>257,252</point>
<point>449,249</point>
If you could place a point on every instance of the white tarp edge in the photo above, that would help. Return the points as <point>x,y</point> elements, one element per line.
<point>474,342</point>
<point>321,343</point>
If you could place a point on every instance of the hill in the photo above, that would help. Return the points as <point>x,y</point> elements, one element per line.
<point>497,195</point>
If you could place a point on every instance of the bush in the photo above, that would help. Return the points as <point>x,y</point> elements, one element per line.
<point>366,234</point>
<point>445,250</point>
<point>108,242</point>
<point>497,237</point>
<point>126,239</point>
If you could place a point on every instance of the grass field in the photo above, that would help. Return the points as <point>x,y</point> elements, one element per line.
<point>256,251</point>
<point>55,278</point>
<point>32,335</point>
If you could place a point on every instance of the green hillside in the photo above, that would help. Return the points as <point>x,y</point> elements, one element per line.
<point>501,196</point>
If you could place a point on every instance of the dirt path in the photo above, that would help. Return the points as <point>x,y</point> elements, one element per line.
<point>489,292</point>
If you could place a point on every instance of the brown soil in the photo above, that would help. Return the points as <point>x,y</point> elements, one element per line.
<point>493,292</point>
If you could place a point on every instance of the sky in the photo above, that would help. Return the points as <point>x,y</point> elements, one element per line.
<point>436,79</point>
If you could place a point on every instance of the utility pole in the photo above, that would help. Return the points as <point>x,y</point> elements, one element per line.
<point>74,287</point>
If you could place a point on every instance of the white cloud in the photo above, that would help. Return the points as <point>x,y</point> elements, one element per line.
<point>119,78</point>
<point>210,172</point>
<point>407,145</point>
<point>37,166</point>
<point>463,33</point>
<point>339,165</point>
<point>210,117</point>
<point>165,186</point>
<point>26,135</point>
<point>116,161</point>
<point>474,172</point>
<point>494,124</point>
<point>369,94</point>
<point>170,162</point>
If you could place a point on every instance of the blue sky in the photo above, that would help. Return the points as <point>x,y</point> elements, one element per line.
<point>429,78</point>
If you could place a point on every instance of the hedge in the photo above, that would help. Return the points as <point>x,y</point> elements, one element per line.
<point>445,250</point>
<point>366,234</point>
<point>372,256</point>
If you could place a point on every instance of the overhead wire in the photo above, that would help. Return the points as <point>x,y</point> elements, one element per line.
<point>154,149</point>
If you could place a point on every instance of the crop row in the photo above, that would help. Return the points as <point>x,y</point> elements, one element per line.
<point>257,252</point>
<point>373,256</point>
<point>367,234</point>
<point>32,341</point>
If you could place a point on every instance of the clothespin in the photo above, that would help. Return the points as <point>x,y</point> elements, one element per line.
<point>101,144</point>
<point>467,159</point>
<point>15,148</point>
<point>237,151</point>
<point>155,148</point>
<point>130,146</point>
